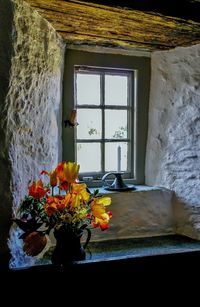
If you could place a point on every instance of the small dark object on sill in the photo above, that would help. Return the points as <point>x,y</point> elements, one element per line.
<point>118,183</point>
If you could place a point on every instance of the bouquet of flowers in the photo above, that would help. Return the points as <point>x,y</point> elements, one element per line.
<point>62,200</point>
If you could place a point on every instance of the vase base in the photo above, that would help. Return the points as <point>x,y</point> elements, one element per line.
<point>63,257</point>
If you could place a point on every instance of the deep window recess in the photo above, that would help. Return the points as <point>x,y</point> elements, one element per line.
<point>110,136</point>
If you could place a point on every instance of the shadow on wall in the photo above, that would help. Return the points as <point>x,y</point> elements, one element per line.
<point>187,218</point>
<point>6,50</point>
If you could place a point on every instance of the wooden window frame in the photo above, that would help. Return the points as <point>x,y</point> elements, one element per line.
<point>141,68</point>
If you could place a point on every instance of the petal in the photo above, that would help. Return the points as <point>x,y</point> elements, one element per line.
<point>71,170</point>
<point>104,226</point>
<point>106,201</point>
<point>34,243</point>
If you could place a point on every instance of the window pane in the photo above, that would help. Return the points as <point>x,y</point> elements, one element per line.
<point>89,157</point>
<point>89,124</point>
<point>116,90</point>
<point>112,156</point>
<point>88,89</point>
<point>115,124</point>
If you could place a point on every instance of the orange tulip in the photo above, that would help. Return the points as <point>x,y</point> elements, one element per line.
<point>63,184</point>
<point>60,171</point>
<point>37,190</point>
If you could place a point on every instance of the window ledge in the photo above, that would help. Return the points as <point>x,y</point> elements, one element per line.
<point>138,188</point>
<point>126,250</point>
<point>140,247</point>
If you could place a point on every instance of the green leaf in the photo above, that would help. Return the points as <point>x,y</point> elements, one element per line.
<point>96,192</point>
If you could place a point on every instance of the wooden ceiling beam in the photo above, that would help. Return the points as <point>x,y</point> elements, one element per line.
<point>93,24</point>
<point>186,9</point>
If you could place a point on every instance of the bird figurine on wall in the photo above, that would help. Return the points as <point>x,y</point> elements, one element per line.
<point>72,121</point>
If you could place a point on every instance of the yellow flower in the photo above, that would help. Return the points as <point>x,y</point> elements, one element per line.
<point>79,215</point>
<point>71,170</point>
<point>80,189</point>
<point>101,217</point>
<point>105,201</point>
<point>75,201</point>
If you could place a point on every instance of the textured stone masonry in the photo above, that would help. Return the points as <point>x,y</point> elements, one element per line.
<point>34,104</point>
<point>173,148</point>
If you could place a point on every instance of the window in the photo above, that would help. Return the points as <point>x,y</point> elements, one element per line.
<point>102,100</point>
<point>111,113</point>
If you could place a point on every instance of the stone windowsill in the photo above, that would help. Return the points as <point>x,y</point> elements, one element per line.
<point>117,250</point>
<point>140,247</point>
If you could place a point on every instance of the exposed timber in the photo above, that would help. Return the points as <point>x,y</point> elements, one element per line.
<point>84,23</point>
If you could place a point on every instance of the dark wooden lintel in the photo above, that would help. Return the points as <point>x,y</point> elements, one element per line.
<point>90,23</point>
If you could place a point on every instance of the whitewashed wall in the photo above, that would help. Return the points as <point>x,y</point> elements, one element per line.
<point>173,148</point>
<point>33,104</point>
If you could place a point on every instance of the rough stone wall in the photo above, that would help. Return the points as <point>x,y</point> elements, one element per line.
<point>173,147</point>
<point>34,105</point>
<point>6,17</point>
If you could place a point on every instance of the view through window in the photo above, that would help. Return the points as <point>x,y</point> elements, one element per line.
<point>104,107</point>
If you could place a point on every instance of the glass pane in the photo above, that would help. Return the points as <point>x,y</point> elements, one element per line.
<point>116,157</point>
<point>115,124</point>
<point>89,124</point>
<point>88,89</point>
<point>116,90</point>
<point>89,157</point>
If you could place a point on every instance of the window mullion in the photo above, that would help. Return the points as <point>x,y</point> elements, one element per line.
<point>75,143</point>
<point>129,125</point>
<point>102,101</point>
<point>131,146</point>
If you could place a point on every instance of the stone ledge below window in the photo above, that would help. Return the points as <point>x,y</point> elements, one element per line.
<point>140,247</point>
<point>163,253</point>
<point>144,212</point>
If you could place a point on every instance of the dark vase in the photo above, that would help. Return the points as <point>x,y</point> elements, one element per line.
<point>68,245</point>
